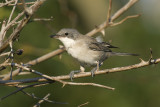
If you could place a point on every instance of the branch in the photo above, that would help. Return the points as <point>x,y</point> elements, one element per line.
<point>42,100</point>
<point>36,61</point>
<point>4,54</point>
<point>83,104</point>
<point>114,17</point>
<point>55,79</point>
<point>86,74</point>
<point>123,20</point>
<point>43,19</point>
<point>91,84</point>
<point>20,26</point>
<point>6,3</point>
<point>21,89</point>
<point>46,99</point>
<point>109,12</point>
<point>14,7</point>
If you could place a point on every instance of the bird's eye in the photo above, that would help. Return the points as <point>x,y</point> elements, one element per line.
<point>66,33</point>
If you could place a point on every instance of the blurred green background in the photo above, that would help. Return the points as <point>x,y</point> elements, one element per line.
<point>134,88</point>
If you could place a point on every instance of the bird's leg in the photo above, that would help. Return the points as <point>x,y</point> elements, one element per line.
<point>98,65</point>
<point>93,71</point>
<point>96,68</point>
<point>82,69</point>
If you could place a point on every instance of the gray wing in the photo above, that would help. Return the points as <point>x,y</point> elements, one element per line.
<point>101,46</point>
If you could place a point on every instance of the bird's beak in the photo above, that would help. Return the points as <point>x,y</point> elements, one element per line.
<point>55,36</point>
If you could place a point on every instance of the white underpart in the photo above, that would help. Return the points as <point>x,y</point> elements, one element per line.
<point>67,42</point>
<point>79,50</point>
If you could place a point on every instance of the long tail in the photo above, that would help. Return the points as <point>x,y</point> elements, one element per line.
<point>122,54</point>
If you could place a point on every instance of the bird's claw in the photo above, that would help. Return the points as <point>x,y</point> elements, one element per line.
<point>72,74</point>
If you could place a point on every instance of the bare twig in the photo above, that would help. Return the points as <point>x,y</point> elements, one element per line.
<point>21,73</point>
<point>123,20</point>
<point>43,19</point>
<point>20,26</point>
<point>83,104</point>
<point>27,10</point>
<point>42,100</point>
<point>33,96</point>
<point>91,84</point>
<point>14,7</point>
<point>109,12</point>
<point>38,60</point>
<point>4,54</point>
<point>27,3</point>
<point>114,17</point>
<point>2,32</point>
<point>22,88</point>
<point>123,9</point>
<point>11,57</point>
<point>6,3</point>
<point>108,17</point>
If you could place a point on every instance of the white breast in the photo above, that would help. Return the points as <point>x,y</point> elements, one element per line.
<point>67,42</point>
<point>80,50</point>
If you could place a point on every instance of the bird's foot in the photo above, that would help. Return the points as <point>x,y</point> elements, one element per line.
<point>93,71</point>
<point>72,74</point>
<point>96,68</point>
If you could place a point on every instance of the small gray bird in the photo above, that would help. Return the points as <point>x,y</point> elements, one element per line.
<point>87,50</point>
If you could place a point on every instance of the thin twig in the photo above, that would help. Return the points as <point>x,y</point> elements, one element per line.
<point>123,20</point>
<point>2,32</point>
<point>36,61</point>
<point>4,54</point>
<point>11,57</point>
<point>6,3</point>
<point>14,7</point>
<point>114,17</point>
<point>21,73</point>
<point>88,84</point>
<point>33,96</point>
<point>109,12</point>
<point>108,17</point>
<point>83,104</point>
<point>42,100</point>
<point>20,26</point>
<point>43,19</point>
<point>19,89</point>
<point>10,17</point>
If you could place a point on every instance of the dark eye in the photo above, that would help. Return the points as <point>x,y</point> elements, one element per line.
<point>66,33</point>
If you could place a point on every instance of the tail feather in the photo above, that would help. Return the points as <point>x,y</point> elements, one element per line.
<point>122,54</point>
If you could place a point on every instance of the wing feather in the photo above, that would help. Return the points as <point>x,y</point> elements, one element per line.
<point>101,46</point>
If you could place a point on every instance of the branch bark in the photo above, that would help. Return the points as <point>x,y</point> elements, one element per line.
<point>21,25</point>
<point>36,61</point>
<point>85,74</point>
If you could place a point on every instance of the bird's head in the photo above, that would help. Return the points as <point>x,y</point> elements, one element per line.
<point>66,33</point>
<point>67,36</point>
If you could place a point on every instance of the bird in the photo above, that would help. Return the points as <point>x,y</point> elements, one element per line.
<point>87,50</point>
